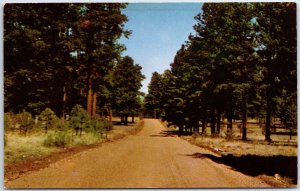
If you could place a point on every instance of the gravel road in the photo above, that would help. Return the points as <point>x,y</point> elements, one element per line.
<point>148,159</point>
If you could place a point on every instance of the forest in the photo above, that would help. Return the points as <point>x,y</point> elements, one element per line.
<point>230,94</point>
<point>241,63</point>
<point>58,56</point>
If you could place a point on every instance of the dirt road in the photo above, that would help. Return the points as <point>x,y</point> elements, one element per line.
<point>146,160</point>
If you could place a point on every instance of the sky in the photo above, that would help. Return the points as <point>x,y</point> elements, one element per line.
<point>158,31</point>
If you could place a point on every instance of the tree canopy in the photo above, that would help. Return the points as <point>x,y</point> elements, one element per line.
<point>60,55</point>
<point>240,63</point>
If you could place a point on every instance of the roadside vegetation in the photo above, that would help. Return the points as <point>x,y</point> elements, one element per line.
<point>255,145</point>
<point>240,65</point>
<point>232,87</point>
<point>35,143</point>
<point>28,138</point>
<point>60,55</point>
<point>65,77</point>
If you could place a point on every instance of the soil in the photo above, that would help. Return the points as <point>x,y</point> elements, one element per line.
<point>148,159</point>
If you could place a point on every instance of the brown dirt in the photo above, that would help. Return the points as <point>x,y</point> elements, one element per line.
<point>147,160</point>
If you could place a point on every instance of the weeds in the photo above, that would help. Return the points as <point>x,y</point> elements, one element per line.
<point>229,135</point>
<point>60,139</point>
<point>19,147</point>
<point>244,148</point>
<point>61,133</point>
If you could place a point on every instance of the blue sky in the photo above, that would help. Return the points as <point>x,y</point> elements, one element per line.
<point>158,31</point>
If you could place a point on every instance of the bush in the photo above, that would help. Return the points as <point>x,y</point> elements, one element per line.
<point>195,134</point>
<point>23,121</point>
<point>98,125</point>
<point>80,119</point>
<point>49,118</point>
<point>9,121</point>
<point>60,139</point>
<point>229,134</point>
<point>61,124</point>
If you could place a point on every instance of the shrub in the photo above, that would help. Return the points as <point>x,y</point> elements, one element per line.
<point>9,121</point>
<point>195,134</point>
<point>229,134</point>
<point>61,124</point>
<point>24,120</point>
<point>48,117</point>
<point>98,125</point>
<point>80,119</point>
<point>60,139</point>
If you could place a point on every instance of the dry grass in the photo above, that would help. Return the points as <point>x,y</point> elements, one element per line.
<point>239,148</point>
<point>281,145</point>
<point>20,148</point>
<point>121,131</point>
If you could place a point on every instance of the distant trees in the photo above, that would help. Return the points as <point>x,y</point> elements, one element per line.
<point>154,96</point>
<point>127,78</point>
<point>60,55</point>
<point>237,64</point>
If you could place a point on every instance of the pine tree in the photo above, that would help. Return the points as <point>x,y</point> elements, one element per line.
<point>55,53</point>
<point>100,26</point>
<point>278,44</point>
<point>127,82</point>
<point>37,44</point>
<point>153,99</point>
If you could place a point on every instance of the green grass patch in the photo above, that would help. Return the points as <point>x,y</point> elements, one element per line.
<point>20,148</point>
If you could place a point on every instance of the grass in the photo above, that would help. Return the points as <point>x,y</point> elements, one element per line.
<point>36,145</point>
<point>281,145</point>
<point>19,147</point>
<point>238,148</point>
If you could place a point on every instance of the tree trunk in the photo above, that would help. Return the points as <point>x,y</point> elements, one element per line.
<point>126,119</point>
<point>132,118</point>
<point>213,122</point>
<point>110,116</point>
<point>218,121</point>
<point>196,126</point>
<point>122,119</point>
<point>244,120</point>
<point>89,98</point>
<point>268,122</point>
<point>94,106</point>
<point>180,130</point>
<point>229,121</point>
<point>64,101</point>
<point>204,126</point>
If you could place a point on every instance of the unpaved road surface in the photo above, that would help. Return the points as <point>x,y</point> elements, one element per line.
<point>149,159</point>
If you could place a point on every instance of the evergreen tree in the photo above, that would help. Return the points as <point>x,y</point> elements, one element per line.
<point>37,43</point>
<point>57,55</point>
<point>278,47</point>
<point>153,99</point>
<point>127,82</point>
<point>100,27</point>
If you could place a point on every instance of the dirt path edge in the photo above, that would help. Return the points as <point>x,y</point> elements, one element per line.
<point>14,171</point>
